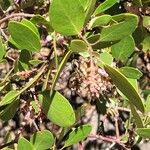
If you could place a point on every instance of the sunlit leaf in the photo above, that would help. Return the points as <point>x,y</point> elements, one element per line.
<point>125,87</point>
<point>78,135</point>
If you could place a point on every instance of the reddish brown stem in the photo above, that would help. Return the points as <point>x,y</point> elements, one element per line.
<point>16,15</point>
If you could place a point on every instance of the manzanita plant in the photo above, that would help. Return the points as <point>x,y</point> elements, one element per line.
<point>103,43</point>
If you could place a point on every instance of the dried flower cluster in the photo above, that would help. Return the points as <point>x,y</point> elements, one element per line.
<point>90,83</point>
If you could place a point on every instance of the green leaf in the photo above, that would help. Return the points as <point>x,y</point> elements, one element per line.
<point>80,47</point>
<point>104,6</point>
<point>42,140</point>
<point>5,4</point>
<point>131,72</point>
<point>56,107</point>
<point>61,65</point>
<point>123,49</point>
<point>146,21</point>
<point>138,3</point>
<point>125,87</point>
<point>30,25</point>
<point>147,104</point>
<point>24,144</point>
<point>143,132</point>
<point>136,116</point>
<point>77,135</point>
<point>2,49</point>
<point>120,30</point>
<point>9,111</point>
<point>8,98</point>
<point>85,3</point>
<point>24,36</point>
<point>40,20</point>
<point>35,62</point>
<point>100,21</point>
<point>146,43</point>
<point>67,17</point>
<point>106,58</point>
<point>90,10</point>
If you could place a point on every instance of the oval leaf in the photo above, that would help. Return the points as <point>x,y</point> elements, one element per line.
<point>120,30</point>
<point>143,132</point>
<point>42,140</point>
<point>136,117</point>
<point>123,49</point>
<point>9,111</point>
<point>8,98</point>
<point>100,21</point>
<point>125,87</point>
<point>31,26</point>
<point>24,36</point>
<point>77,135</point>
<point>131,72</point>
<point>24,144</point>
<point>104,6</point>
<point>80,47</point>
<point>58,107</point>
<point>67,17</point>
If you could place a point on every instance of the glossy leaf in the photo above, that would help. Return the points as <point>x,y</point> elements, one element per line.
<point>125,87</point>
<point>104,6</point>
<point>56,107</point>
<point>70,18</point>
<point>24,144</point>
<point>31,26</point>
<point>9,111</point>
<point>143,132</point>
<point>123,49</point>
<point>100,21</point>
<point>131,72</point>
<point>42,140</point>
<point>77,135</point>
<point>120,30</point>
<point>8,98</point>
<point>2,49</point>
<point>24,36</point>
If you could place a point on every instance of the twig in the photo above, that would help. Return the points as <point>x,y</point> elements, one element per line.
<point>3,34</point>
<point>117,129</point>
<point>8,144</point>
<point>16,15</point>
<point>80,146</point>
<point>35,125</point>
<point>123,109</point>
<point>108,139</point>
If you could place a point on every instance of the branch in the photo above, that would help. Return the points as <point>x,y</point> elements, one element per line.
<point>108,139</point>
<point>16,15</point>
